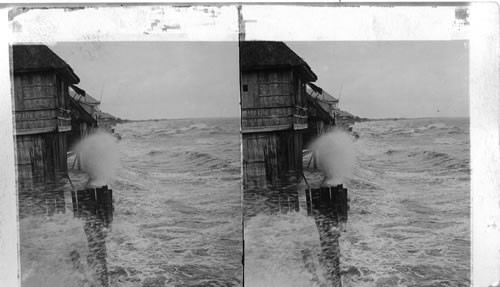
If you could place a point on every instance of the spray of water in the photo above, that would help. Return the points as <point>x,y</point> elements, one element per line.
<point>282,250</point>
<point>99,158</point>
<point>335,155</point>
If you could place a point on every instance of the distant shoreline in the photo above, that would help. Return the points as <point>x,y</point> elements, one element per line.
<point>420,118</point>
<point>122,121</point>
<point>355,119</point>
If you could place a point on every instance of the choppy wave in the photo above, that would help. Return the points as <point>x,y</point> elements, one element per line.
<point>176,213</point>
<point>203,159</point>
<point>409,215</point>
<point>155,152</point>
<point>408,128</point>
<point>410,205</point>
<point>174,128</point>
<point>430,157</point>
<point>277,249</point>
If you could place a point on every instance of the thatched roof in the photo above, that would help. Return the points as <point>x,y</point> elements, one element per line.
<point>256,55</point>
<point>41,58</point>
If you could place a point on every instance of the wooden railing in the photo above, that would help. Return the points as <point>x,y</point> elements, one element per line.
<point>63,120</point>
<point>273,118</point>
<point>300,118</point>
<point>35,121</point>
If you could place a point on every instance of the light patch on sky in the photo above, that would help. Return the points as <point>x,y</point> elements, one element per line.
<point>153,80</point>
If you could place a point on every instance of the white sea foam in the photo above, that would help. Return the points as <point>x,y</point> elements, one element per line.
<point>99,157</point>
<point>278,249</point>
<point>335,155</point>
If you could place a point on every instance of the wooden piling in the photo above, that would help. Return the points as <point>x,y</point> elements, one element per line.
<point>95,207</point>
<point>329,207</point>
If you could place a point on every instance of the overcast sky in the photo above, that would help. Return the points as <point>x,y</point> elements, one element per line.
<point>143,80</point>
<point>393,79</point>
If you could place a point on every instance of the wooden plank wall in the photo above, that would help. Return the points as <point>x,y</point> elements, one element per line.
<point>269,159</point>
<point>274,88</point>
<point>272,116</point>
<point>268,101</point>
<point>38,100</point>
<point>293,163</point>
<point>34,91</point>
<point>41,158</point>
<point>260,162</point>
<point>272,99</point>
<point>36,120</point>
<point>35,101</point>
<point>280,118</point>
<point>266,88</point>
<point>300,118</point>
<point>64,116</point>
<point>301,92</point>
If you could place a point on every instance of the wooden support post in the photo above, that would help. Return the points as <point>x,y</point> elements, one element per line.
<point>79,160</point>
<point>328,206</point>
<point>315,162</point>
<point>95,207</point>
<point>310,160</point>
<point>287,199</point>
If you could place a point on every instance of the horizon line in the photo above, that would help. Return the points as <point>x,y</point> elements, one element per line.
<point>230,117</point>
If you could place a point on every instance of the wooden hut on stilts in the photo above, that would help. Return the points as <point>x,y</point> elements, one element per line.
<point>273,112</point>
<point>42,123</point>
<point>276,111</point>
<point>42,117</point>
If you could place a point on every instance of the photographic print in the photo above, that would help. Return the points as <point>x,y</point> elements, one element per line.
<point>356,146</point>
<point>356,169</point>
<point>299,144</point>
<point>128,161</point>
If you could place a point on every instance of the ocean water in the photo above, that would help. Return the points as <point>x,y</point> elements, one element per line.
<point>177,213</point>
<point>409,217</point>
<point>176,219</point>
<point>410,205</point>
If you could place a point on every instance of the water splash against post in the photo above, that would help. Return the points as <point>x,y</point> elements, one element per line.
<point>335,155</point>
<point>99,157</point>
